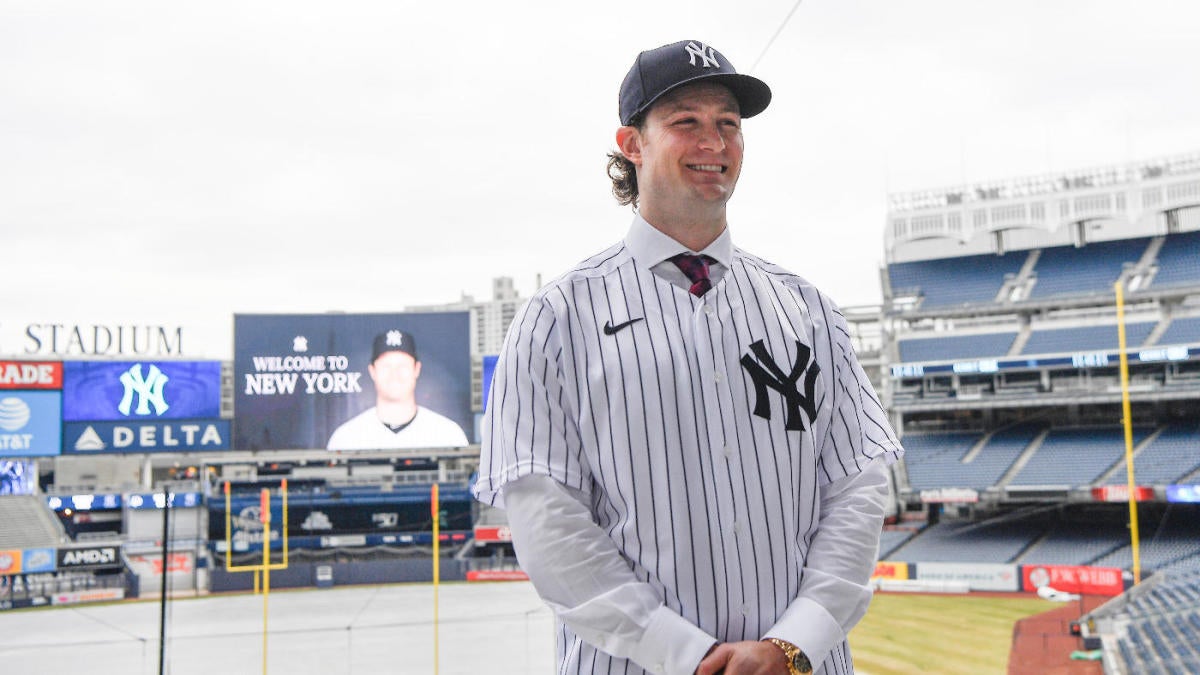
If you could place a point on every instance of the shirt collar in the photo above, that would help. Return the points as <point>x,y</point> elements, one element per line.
<point>650,246</point>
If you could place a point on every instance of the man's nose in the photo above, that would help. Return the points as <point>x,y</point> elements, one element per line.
<point>711,138</point>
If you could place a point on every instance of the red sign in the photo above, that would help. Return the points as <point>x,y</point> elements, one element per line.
<point>30,375</point>
<point>890,570</point>
<point>497,575</point>
<point>1120,493</point>
<point>487,535</point>
<point>1074,579</point>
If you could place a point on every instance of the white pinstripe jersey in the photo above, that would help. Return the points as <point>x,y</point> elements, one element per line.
<point>685,452</point>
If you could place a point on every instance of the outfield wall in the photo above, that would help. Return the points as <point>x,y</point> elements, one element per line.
<point>949,577</point>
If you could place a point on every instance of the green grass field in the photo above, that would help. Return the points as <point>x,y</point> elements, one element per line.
<point>957,635</point>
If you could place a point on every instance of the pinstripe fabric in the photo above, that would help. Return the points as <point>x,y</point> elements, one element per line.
<point>711,504</point>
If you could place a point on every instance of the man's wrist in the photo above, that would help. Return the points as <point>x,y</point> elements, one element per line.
<point>797,661</point>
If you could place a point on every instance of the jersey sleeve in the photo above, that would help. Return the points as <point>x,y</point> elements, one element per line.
<point>859,429</point>
<point>529,426</point>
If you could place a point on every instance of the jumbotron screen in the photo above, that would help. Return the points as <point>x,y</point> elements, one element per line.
<point>352,381</point>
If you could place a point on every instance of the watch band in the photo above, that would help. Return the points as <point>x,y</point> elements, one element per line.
<point>798,663</point>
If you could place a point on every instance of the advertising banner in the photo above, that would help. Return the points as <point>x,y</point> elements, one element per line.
<point>30,423</point>
<point>1074,579</point>
<point>89,557</point>
<point>93,595</point>
<point>978,576</point>
<point>122,391</point>
<point>86,438</point>
<point>485,534</point>
<point>30,375</point>
<point>151,564</point>
<point>949,496</point>
<point>1185,494</point>
<point>884,569</point>
<point>1120,493</point>
<point>35,560</point>
<point>352,381</point>
<point>10,562</point>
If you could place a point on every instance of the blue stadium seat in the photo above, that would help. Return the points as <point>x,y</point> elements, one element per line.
<point>955,281</point>
<point>956,347</point>
<point>1086,338</point>
<point>1067,270</point>
<point>1178,261</point>
<point>1075,457</point>
<point>1166,460</point>
<point>1185,331</point>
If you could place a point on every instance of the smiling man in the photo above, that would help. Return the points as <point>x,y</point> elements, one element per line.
<point>396,421</point>
<point>693,462</point>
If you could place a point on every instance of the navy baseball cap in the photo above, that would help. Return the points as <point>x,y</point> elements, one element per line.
<point>658,71</point>
<point>394,341</point>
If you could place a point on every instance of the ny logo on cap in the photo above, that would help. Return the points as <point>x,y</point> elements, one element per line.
<point>395,338</point>
<point>708,55</point>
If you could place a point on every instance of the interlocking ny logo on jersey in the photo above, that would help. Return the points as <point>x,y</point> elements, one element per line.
<point>149,390</point>
<point>707,55</point>
<point>769,375</point>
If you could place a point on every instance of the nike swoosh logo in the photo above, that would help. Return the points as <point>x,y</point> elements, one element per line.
<point>610,329</point>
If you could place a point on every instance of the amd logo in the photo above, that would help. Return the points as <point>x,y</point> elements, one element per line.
<point>80,557</point>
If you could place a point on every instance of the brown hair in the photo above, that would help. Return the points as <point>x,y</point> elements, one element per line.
<point>623,173</point>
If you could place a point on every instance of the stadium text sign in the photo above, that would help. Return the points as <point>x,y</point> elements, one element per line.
<point>59,339</point>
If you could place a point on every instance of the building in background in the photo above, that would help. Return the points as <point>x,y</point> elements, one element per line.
<point>489,323</point>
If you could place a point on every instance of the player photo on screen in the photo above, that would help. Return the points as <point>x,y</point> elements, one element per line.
<point>352,382</point>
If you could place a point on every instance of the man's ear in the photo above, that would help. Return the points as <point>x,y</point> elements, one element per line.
<point>629,142</point>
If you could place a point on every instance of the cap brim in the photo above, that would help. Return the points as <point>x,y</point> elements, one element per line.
<point>752,94</point>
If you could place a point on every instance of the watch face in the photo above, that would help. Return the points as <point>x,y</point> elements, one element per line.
<point>801,663</point>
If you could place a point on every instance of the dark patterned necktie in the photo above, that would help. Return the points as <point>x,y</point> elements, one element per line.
<point>695,267</point>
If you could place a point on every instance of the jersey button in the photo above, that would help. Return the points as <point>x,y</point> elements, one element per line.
<point>728,451</point>
<point>709,311</point>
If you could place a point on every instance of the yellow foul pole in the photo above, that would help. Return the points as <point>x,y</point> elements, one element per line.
<point>436,512</point>
<point>1127,418</point>
<point>265,511</point>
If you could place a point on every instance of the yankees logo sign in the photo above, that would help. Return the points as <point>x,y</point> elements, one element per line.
<point>766,374</point>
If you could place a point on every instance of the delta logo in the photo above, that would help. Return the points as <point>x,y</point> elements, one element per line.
<point>117,437</point>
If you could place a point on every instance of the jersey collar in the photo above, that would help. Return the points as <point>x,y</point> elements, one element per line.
<point>650,246</point>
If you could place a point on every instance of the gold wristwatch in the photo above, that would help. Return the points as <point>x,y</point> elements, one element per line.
<point>798,663</point>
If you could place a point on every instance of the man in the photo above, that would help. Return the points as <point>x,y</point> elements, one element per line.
<point>692,460</point>
<point>396,421</point>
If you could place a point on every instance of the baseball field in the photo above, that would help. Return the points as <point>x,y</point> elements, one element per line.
<point>950,634</point>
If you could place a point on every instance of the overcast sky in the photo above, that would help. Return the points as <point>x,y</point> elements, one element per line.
<point>175,163</point>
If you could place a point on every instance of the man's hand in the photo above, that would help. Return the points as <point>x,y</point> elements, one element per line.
<point>744,658</point>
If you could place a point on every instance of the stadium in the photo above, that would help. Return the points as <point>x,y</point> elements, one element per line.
<point>1038,337</point>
